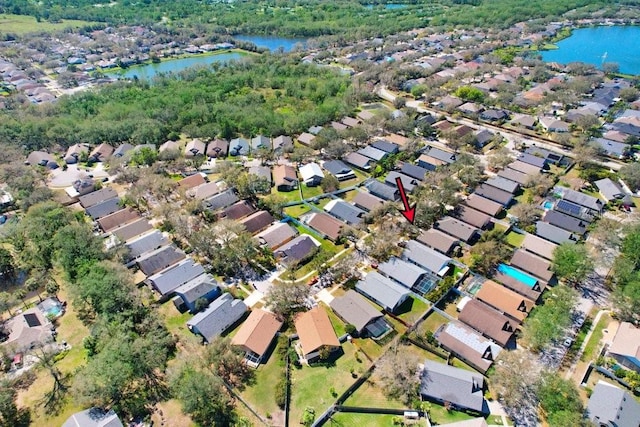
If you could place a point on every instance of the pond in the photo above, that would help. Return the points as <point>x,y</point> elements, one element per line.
<point>388,6</point>
<point>598,45</point>
<point>147,71</point>
<point>272,42</point>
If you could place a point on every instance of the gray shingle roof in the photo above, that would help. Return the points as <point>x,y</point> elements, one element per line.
<point>381,190</point>
<point>439,154</point>
<point>97,197</point>
<point>403,272</point>
<point>446,383</point>
<point>610,405</point>
<point>532,160</point>
<point>155,261</point>
<point>338,169</point>
<point>492,193</point>
<point>131,230</point>
<point>566,222</point>
<point>408,182</point>
<point>221,200</point>
<point>425,257</point>
<point>355,309</point>
<point>366,201</point>
<point>104,208</point>
<point>609,189</point>
<point>297,249</point>
<point>358,160</point>
<point>414,171</point>
<point>168,280</point>
<point>582,199</point>
<point>554,234</point>
<point>473,217</point>
<point>93,417</point>
<point>503,184</point>
<point>345,211</point>
<point>145,243</point>
<point>382,290</point>
<point>386,146</point>
<point>437,240</point>
<point>197,287</point>
<point>239,147</point>
<point>372,153</point>
<point>218,317</point>
<point>456,228</point>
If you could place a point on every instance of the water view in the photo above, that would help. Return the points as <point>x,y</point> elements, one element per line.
<point>147,71</point>
<point>388,6</point>
<point>597,45</point>
<point>272,42</point>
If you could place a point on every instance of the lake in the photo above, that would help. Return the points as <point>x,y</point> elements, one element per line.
<point>388,6</point>
<point>272,42</point>
<point>147,71</point>
<point>595,45</point>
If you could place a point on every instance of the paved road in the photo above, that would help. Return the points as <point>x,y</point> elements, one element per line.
<point>510,135</point>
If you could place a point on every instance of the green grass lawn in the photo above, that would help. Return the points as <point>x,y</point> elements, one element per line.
<point>22,24</point>
<point>260,394</point>
<point>308,192</point>
<point>412,309</point>
<point>432,322</point>
<point>349,195</point>
<point>338,325</point>
<point>296,211</point>
<point>370,394</point>
<point>515,239</point>
<point>311,385</point>
<point>594,341</point>
<point>439,415</point>
<point>344,419</point>
<point>501,227</point>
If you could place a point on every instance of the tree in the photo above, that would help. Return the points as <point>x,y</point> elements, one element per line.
<point>7,267</point>
<point>201,304</point>
<point>470,93</point>
<point>10,415</point>
<point>489,252</point>
<point>203,397</point>
<point>629,94</point>
<point>514,381</point>
<point>499,159</point>
<point>227,362</point>
<point>52,287</point>
<point>53,398</point>
<point>548,321</point>
<point>287,299</point>
<point>329,183</point>
<point>76,246</point>
<point>526,213</point>
<point>559,398</point>
<point>144,156</point>
<point>399,375</point>
<point>611,68</point>
<point>630,174</point>
<point>585,153</point>
<point>32,284</point>
<point>572,263</point>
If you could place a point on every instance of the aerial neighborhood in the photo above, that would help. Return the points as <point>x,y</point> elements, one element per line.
<point>258,265</point>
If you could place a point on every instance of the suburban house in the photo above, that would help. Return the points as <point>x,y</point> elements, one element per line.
<point>145,243</point>
<point>218,148</point>
<point>593,204</point>
<point>550,157</point>
<point>524,120</point>
<point>489,322</point>
<point>167,281</point>
<point>403,272</point>
<point>257,221</point>
<point>311,174</point>
<point>94,417</point>
<point>492,193</point>
<point>383,291</point>
<point>326,225</point>
<point>503,184</point>
<point>285,178</point>
<point>192,181</point>
<point>238,210</point>
<point>263,172</point>
<point>408,182</point>
<point>386,146</point>
<point>372,153</point>
<point>74,152</point>
<point>282,143</point>
<point>458,229</point>
<point>468,345</point>
<point>610,190</point>
<point>101,153</point>
<point>359,161</point>
<point>515,176</point>
<point>204,191</point>
<point>306,138</point>
<point>525,285</point>
<point>493,115</point>
<point>104,208</point>
<point>96,197</point>
<point>525,168</point>
<point>610,405</point>
<point>316,335</point>
<point>338,169</point>
<point>366,201</point>
<point>116,219</point>
<point>427,258</point>
<point>483,204</point>
<point>239,147</point>
<point>625,347</point>
<point>159,259</point>
<point>28,329</point>
<point>260,142</point>
<point>221,200</point>
<point>446,157</point>
<point>537,161</point>
<point>131,230</point>
<point>462,389</point>
<point>532,264</point>
<point>551,124</point>
<point>256,335</point>
<point>80,187</point>
<point>505,300</point>
<point>217,318</point>
<point>382,191</point>
<point>554,234</point>
<point>122,149</point>
<point>438,240</point>
<point>615,149</point>
<point>276,235</point>
<point>297,250</point>
<point>203,286</point>
<point>41,158</point>
<point>538,246</point>
<point>473,217</point>
<point>355,310</point>
<point>194,148</point>
<point>345,211</point>
<point>566,222</point>
<point>415,172</point>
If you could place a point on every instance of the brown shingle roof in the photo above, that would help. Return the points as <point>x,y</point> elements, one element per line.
<point>257,221</point>
<point>238,210</point>
<point>539,246</point>
<point>314,330</point>
<point>532,264</point>
<point>471,216</point>
<point>367,201</point>
<point>284,175</point>
<point>437,240</point>
<point>116,219</point>
<point>326,225</point>
<point>456,228</point>
<point>257,332</point>
<point>488,321</point>
<point>132,229</point>
<point>204,191</point>
<point>192,181</point>
<point>505,300</point>
<point>483,205</point>
<point>99,196</point>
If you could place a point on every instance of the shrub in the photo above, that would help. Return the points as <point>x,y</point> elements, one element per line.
<point>350,329</point>
<point>281,391</point>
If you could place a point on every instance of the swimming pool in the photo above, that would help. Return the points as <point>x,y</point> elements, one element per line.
<point>548,205</point>
<point>517,274</point>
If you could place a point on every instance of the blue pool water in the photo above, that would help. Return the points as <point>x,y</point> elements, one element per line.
<point>517,274</point>
<point>596,45</point>
<point>548,205</point>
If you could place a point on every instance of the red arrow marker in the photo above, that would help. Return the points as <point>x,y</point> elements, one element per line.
<point>409,212</point>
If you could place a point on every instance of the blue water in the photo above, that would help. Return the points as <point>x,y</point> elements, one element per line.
<point>388,6</point>
<point>517,274</point>
<point>173,65</point>
<point>548,205</point>
<point>589,45</point>
<point>272,42</point>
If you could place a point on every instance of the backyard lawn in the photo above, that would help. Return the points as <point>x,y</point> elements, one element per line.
<point>296,211</point>
<point>432,322</point>
<point>344,419</point>
<point>515,239</point>
<point>412,309</point>
<point>594,341</point>
<point>338,325</point>
<point>260,394</point>
<point>311,385</point>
